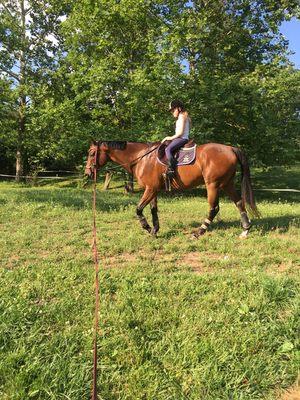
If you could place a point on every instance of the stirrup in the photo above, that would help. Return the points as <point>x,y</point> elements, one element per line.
<point>170,173</point>
<point>167,179</point>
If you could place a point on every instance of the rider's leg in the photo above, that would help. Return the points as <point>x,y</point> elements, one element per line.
<point>170,149</point>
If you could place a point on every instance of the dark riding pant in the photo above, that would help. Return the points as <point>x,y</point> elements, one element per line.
<point>172,147</point>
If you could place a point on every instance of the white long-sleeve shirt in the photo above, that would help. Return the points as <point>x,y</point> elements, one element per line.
<point>182,129</point>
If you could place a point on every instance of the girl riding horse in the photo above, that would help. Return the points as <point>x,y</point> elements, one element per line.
<point>181,136</point>
<point>215,166</point>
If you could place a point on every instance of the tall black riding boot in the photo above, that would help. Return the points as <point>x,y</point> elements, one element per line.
<point>171,168</point>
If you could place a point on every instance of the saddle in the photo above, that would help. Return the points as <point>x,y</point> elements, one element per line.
<point>184,156</point>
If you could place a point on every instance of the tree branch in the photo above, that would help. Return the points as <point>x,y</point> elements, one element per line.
<point>28,10</point>
<point>10,73</point>
<point>6,47</point>
<point>11,16</point>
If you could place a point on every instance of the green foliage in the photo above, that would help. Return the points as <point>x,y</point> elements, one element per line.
<point>109,69</point>
<point>8,122</point>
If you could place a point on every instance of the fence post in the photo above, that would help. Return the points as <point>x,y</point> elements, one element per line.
<point>108,176</point>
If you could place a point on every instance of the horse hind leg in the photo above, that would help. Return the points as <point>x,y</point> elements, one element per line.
<point>145,200</point>
<point>236,198</point>
<point>213,201</point>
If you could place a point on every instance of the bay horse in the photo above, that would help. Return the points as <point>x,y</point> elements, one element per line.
<point>215,166</point>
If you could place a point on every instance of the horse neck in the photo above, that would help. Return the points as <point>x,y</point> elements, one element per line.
<point>127,156</point>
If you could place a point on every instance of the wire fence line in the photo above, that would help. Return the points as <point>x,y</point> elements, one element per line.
<point>38,177</point>
<point>74,175</point>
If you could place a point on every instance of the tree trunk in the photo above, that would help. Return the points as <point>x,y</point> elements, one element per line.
<point>19,166</point>
<point>21,134</point>
<point>22,99</point>
<point>108,177</point>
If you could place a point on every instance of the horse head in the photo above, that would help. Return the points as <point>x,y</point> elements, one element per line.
<point>97,157</point>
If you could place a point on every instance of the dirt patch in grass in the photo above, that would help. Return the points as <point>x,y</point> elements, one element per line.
<point>294,250</point>
<point>283,268</point>
<point>196,261</point>
<point>211,263</point>
<point>193,260</point>
<point>119,260</point>
<point>291,394</point>
<point>12,261</point>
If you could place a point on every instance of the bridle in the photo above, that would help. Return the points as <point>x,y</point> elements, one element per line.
<point>95,160</point>
<point>130,164</point>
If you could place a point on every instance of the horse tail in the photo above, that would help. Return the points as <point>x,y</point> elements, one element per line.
<point>247,191</point>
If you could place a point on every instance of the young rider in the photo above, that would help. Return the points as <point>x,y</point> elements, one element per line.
<point>181,136</point>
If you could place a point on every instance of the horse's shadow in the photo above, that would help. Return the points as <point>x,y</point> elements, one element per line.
<point>78,199</point>
<point>280,224</point>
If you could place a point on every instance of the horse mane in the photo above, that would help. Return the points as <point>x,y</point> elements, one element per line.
<point>115,144</point>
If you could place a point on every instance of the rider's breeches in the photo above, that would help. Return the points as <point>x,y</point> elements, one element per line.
<point>173,146</point>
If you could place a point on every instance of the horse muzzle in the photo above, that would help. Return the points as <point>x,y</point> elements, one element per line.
<point>89,172</point>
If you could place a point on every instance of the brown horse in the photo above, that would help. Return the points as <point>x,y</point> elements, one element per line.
<point>215,166</point>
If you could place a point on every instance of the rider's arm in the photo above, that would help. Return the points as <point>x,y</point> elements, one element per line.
<point>179,128</point>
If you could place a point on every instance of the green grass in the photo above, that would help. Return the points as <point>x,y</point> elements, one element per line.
<point>209,319</point>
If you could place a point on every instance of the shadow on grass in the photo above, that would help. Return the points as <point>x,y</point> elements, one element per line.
<point>115,199</point>
<point>277,177</point>
<point>260,195</point>
<point>281,223</point>
<point>277,197</point>
<point>78,199</point>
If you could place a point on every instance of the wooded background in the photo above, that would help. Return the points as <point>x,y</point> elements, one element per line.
<point>75,70</point>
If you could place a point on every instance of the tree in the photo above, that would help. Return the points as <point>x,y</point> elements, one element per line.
<point>118,68</point>
<point>109,68</point>
<point>8,123</point>
<point>234,52</point>
<point>27,55</point>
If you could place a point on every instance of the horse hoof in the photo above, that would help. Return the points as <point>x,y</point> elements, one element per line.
<point>195,235</point>
<point>147,228</point>
<point>153,233</point>
<point>244,234</point>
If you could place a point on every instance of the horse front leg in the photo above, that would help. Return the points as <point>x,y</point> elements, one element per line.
<point>154,212</point>
<point>148,195</point>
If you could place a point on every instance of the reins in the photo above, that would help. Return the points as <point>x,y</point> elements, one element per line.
<point>134,162</point>
<point>96,264</point>
<point>142,156</point>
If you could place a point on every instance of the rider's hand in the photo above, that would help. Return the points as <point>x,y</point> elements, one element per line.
<point>166,138</point>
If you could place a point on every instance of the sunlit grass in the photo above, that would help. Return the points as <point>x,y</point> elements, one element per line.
<point>180,319</point>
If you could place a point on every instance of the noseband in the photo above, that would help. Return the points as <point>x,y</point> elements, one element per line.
<point>95,161</point>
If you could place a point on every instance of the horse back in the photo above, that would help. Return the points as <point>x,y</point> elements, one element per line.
<point>216,153</point>
<point>217,161</point>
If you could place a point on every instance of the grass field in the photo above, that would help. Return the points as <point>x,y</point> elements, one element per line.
<point>211,319</point>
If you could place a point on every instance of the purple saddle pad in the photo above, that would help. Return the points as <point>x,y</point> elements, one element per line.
<point>184,156</point>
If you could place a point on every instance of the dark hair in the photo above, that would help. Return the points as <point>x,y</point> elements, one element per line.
<point>176,104</point>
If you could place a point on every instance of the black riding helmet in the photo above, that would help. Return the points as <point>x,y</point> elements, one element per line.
<point>176,104</point>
